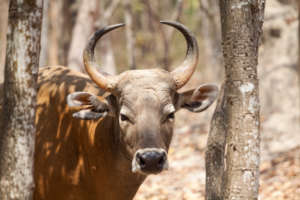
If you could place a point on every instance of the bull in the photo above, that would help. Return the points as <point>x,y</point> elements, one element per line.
<point>100,135</point>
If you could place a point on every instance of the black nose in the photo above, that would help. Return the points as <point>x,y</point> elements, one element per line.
<point>151,161</point>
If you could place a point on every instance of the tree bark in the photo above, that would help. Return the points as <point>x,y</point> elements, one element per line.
<point>241,30</point>
<point>18,115</point>
<point>214,155</point>
<point>3,27</point>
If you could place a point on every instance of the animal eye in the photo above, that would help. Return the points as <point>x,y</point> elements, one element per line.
<point>171,116</point>
<point>124,117</point>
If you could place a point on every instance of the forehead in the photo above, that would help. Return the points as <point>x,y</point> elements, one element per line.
<point>155,79</point>
<point>149,85</point>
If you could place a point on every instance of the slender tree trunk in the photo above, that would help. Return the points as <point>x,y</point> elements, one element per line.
<point>3,27</point>
<point>153,19</point>
<point>85,25</point>
<point>88,19</point>
<point>108,63</point>
<point>17,118</point>
<point>130,47</point>
<point>211,31</point>
<point>169,34</point>
<point>150,23</point>
<point>299,54</point>
<point>214,155</point>
<point>241,29</point>
<point>107,58</point>
<point>67,15</point>
<point>53,33</point>
<point>61,22</point>
<point>44,35</point>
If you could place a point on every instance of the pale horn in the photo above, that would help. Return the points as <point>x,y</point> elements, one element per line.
<point>102,79</point>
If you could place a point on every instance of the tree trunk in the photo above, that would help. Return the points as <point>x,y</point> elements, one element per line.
<point>62,16</point>
<point>214,155</point>
<point>241,29</point>
<point>89,11</point>
<point>107,58</point>
<point>43,61</point>
<point>53,33</point>
<point>211,31</point>
<point>17,118</point>
<point>130,41</point>
<point>169,34</point>
<point>3,27</point>
<point>299,54</point>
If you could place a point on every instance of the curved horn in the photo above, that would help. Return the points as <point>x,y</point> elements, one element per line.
<point>103,80</point>
<point>183,73</point>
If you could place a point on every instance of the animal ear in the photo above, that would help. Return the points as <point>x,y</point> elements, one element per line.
<point>199,99</point>
<point>89,105</point>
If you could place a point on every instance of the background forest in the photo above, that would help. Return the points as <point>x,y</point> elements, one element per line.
<point>144,43</point>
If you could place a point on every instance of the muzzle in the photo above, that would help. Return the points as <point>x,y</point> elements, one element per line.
<point>150,161</point>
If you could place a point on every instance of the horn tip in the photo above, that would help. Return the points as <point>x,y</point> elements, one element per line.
<point>174,24</point>
<point>121,24</point>
<point>166,22</point>
<point>118,25</point>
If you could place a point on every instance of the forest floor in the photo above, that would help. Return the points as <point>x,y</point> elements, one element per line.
<point>185,179</point>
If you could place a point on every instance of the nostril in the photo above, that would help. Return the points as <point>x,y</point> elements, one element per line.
<point>161,161</point>
<point>140,160</point>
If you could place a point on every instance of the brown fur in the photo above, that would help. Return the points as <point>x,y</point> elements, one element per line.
<point>72,161</point>
<point>93,159</point>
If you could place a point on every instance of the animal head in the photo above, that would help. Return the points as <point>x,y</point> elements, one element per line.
<point>143,102</point>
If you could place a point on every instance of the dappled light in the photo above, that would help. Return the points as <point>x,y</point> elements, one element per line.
<point>97,142</point>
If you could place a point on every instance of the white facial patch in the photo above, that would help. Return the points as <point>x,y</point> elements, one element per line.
<point>124,110</point>
<point>135,167</point>
<point>169,108</point>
